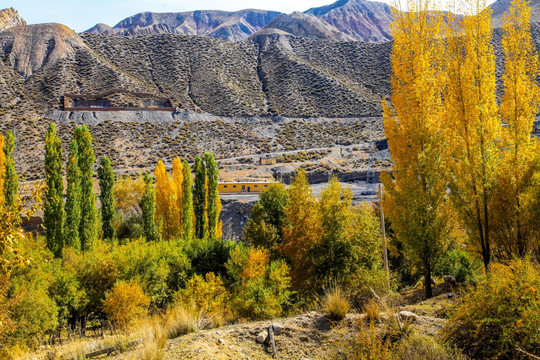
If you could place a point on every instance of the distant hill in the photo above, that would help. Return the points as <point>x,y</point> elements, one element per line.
<point>10,18</point>
<point>231,26</point>
<point>360,19</point>
<point>501,6</point>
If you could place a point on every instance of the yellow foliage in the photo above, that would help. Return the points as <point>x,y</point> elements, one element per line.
<point>257,261</point>
<point>128,193</point>
<point>207,295</point>
<point>126,303</point>
<point>166,203</point>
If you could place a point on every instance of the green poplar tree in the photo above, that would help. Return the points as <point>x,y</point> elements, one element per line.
<point>187,202</point>
<point>212,177</point>
<point>148,206</point>
<point>73,199</point>
<point>53,208</point>
<point>11,180</point>
<point>106,184</point>
<point>199,199</point>
<point>88,223</point>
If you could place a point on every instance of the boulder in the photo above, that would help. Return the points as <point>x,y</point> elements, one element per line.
<point>449,280</point>
<point>408,316</point>
<point>278,328</point>
<point>261,337</point>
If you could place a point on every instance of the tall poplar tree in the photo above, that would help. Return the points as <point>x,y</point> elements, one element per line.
<point>472,124</point>
<point>2,168</point>
<point>11,178</point>
<point>73,199</point>
<point>178,181</point>
<point>413,122</point>
<point>165,202</point>
<point>106,185</point>
<point>88,223</point>
<point>187,202</point>
<point>213,206</point>
<point>514,228</point>
<point>53,207</point>
<point>199,199</point>
<point>148,206</point>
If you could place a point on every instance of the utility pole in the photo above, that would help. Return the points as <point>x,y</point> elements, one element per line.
<point>383,231</point>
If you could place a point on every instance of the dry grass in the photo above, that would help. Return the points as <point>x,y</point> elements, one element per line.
<point>372,310</point>
<point>185,319</point>
<point>335,303</point>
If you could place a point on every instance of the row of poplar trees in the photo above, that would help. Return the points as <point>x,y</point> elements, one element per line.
<point>184,208</point>
<point>172,208</point>
<point>460,156</point>
<point>9,179</point>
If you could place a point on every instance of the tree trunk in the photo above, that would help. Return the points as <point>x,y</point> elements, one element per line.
<point>427,279</point>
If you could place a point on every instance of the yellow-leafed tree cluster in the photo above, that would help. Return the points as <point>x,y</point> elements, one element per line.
<point>460,157</point>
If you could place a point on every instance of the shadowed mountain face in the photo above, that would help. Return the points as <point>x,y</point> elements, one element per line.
<point>231,26</point>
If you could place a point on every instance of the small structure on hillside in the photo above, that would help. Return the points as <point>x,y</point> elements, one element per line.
<point>242,187</point>
<point>117,100</point>
<point>268,160</point>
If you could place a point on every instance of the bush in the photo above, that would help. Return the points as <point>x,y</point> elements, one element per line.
<point>367,345</point>
<point>208,295</point>
<point>501,315</point>
<point>126,303</point>
<point>260,289</point>
<point>209,255</point>
<point>417,346</point>
<point>335,303</point>
<point>461,265</point>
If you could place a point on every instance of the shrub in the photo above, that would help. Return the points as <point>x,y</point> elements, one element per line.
<point>461,265</point>
<point>417,346</point>
<point>260,289</point>
<point>367,345</point>
<point>372,310</point>
<point>184,319</point>
<point>335,303</point>
<point>208,295</point>
<point>209,255</point>
<point>126,303</point>
<point>501,315</point>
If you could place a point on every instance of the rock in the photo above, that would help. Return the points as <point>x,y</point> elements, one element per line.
<point>278,328</point>
<point>261,337</point>
<point>408,316</point>
<point>450,295</point>
<point>449,280</point>
<point>221,342</point>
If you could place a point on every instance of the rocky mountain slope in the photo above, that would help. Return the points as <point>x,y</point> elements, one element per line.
<point>360,19</point>
<point>10,18</point>
<point>306,25</point>
<point>232,26</point>
<point>501,6</point>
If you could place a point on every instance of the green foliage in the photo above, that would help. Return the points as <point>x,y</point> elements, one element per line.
<point>148,206</point>
<point>260,289</point>
<point>199,199</point>
<point>501,315</point>
<point>88,223</point>
<point>265,227</point>
<point>187,202</point>
<point>53,207</point>
<point>11,178</point>
<point>73,198</point>
<point>461,265</point>
<point>212,177</point>
<point>106,185</point>
<point>209,255</point>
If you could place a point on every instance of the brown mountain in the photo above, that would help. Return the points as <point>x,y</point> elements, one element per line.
<point>360,19</point>
<point>501,6</point>
<point>232,26</point>
<point>307,25</point>
<point>10,18</point>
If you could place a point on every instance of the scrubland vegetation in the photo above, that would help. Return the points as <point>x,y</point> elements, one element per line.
<point>148,263</point>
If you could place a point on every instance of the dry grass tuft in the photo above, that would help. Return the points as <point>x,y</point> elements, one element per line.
<point>335,303</point>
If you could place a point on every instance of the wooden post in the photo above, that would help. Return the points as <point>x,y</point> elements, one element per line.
<point>272,341</point>
<point>383,231</point>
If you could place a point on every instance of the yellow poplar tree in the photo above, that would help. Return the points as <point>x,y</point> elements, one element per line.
<point>302,230</point>
<point>178,181</point>
<point>2,169</point>
<point>165,201</point>
<point>513,223</point>
<point>473,124</point>
<point>413,121</point>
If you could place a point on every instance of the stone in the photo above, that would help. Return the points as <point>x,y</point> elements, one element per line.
<point>261,337</point>
<point>278,328</point>
<point>408,316</point>
<point>449,280</point>
<point>221,342</point>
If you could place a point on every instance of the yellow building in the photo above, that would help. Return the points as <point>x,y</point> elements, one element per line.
<point>242,187</point>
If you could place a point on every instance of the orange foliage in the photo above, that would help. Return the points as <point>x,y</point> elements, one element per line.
<point>126,303</point>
